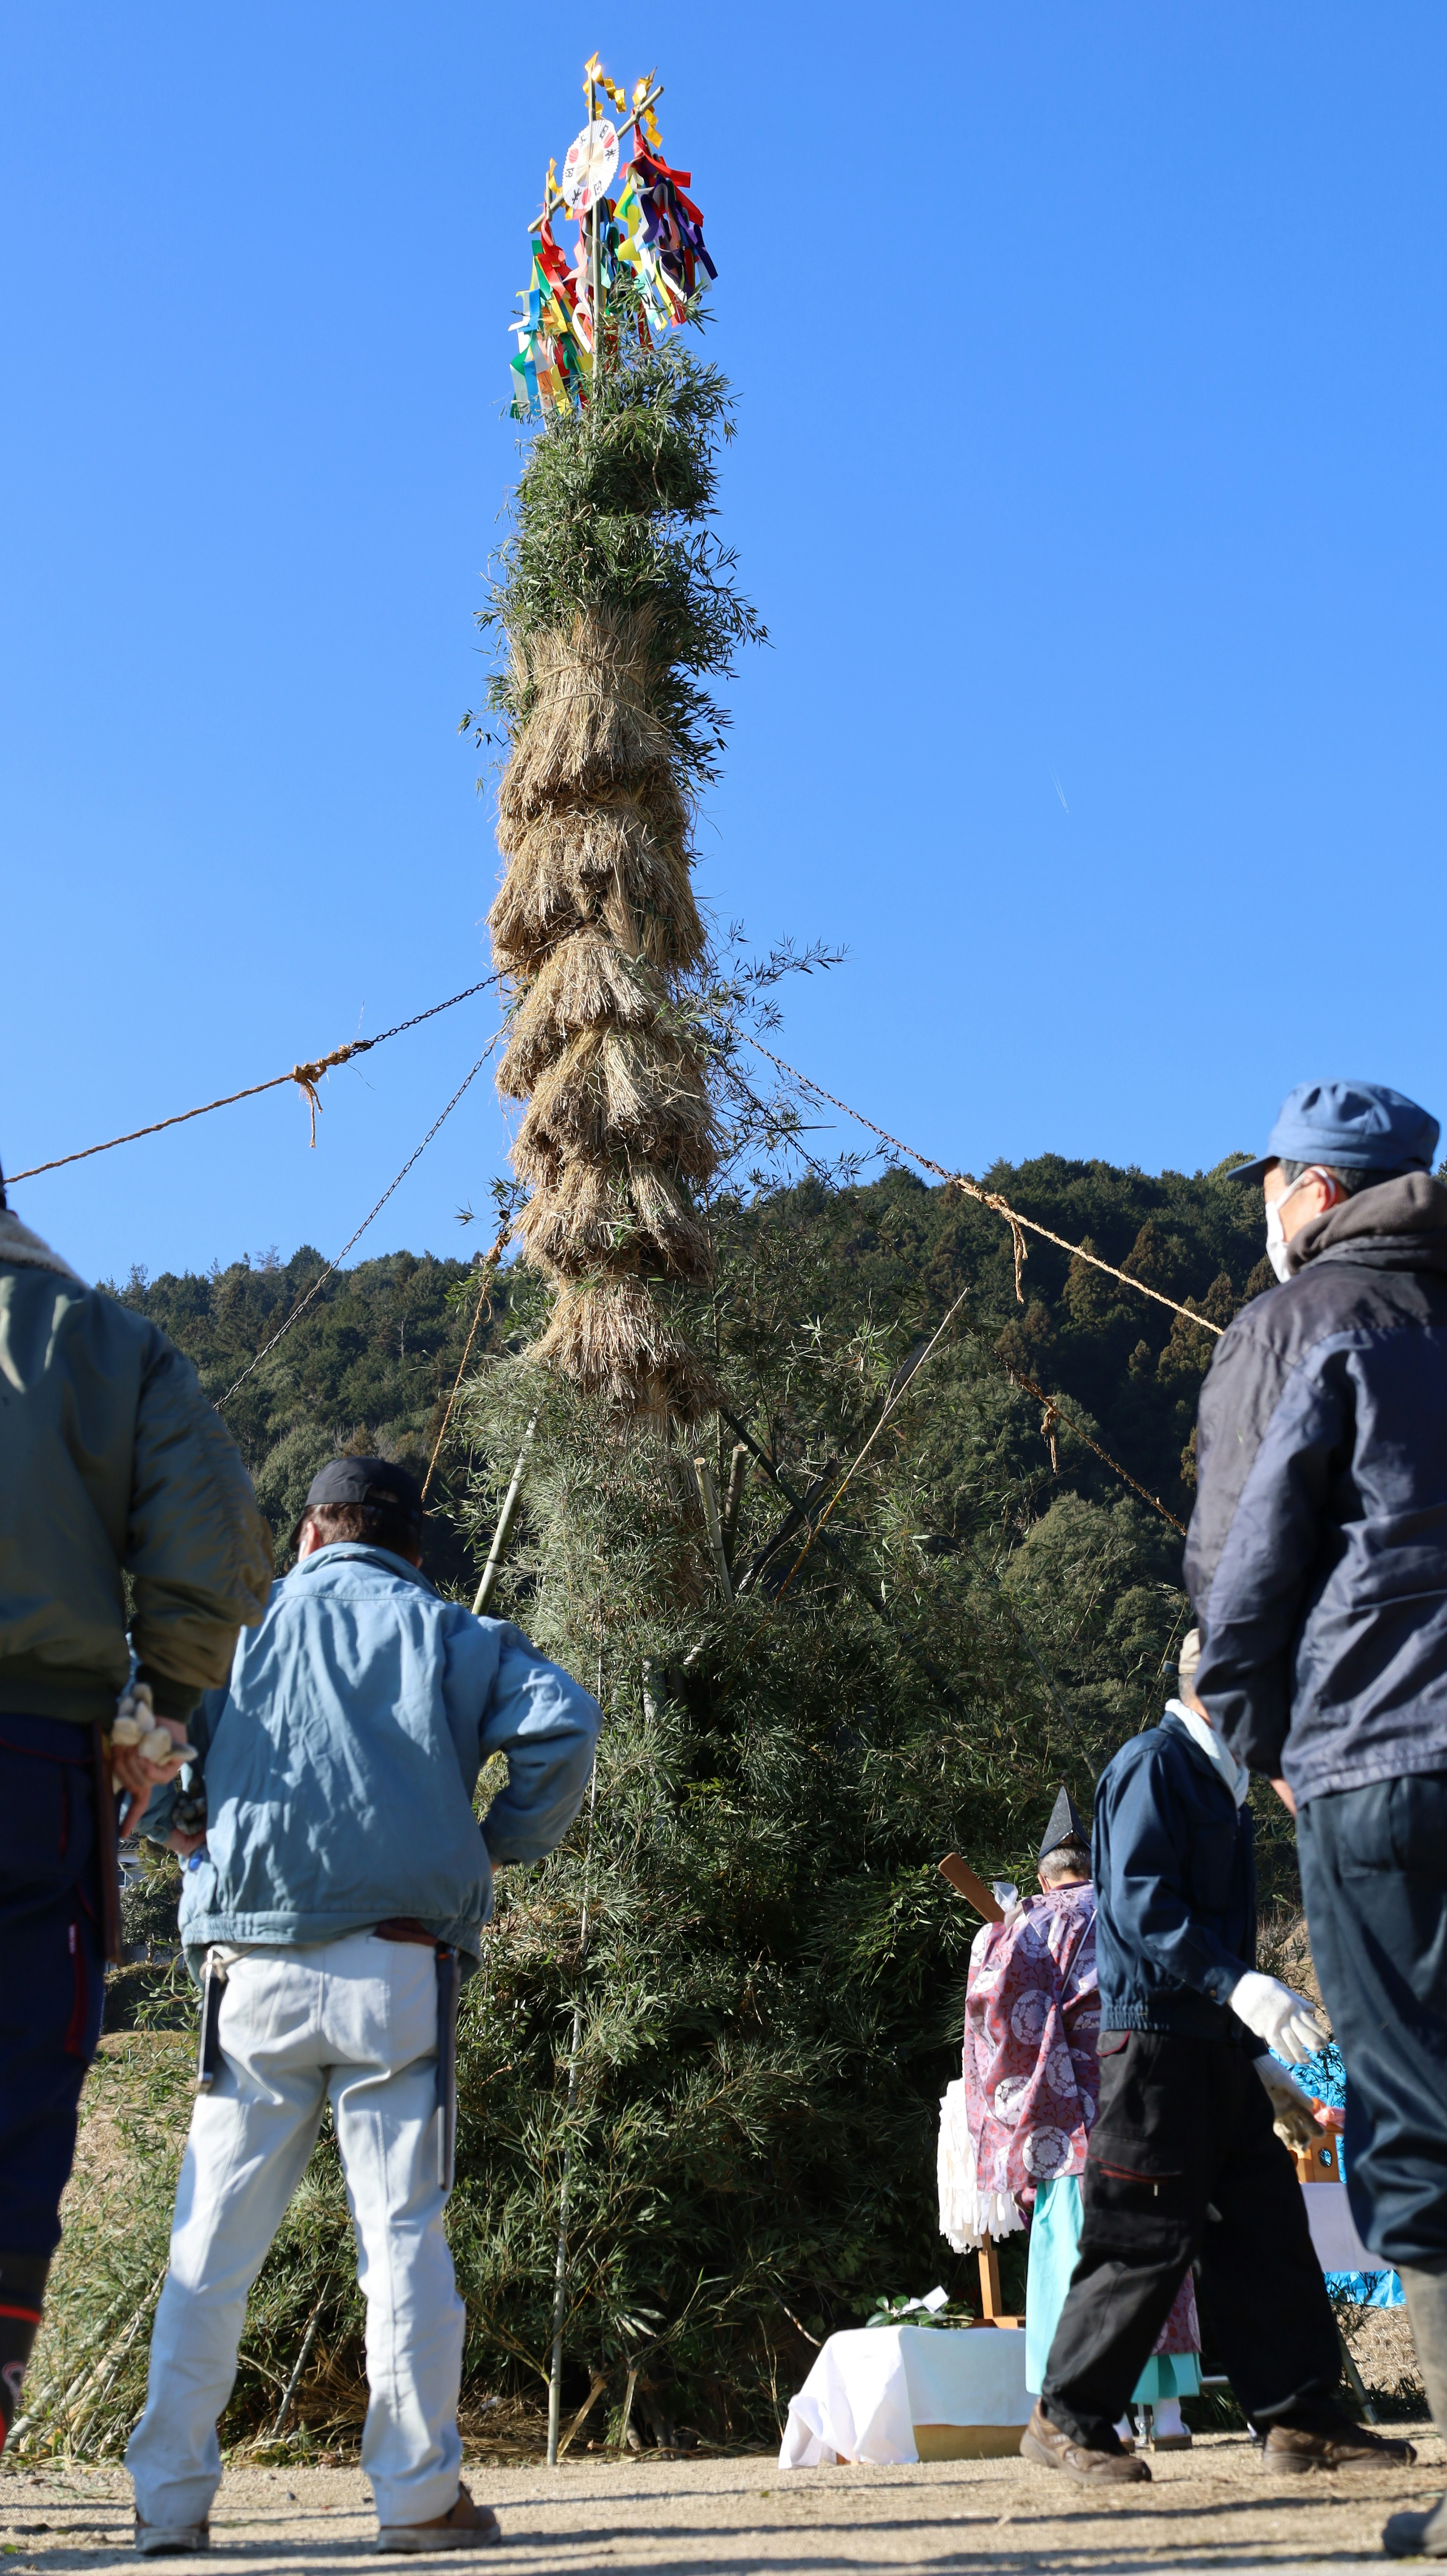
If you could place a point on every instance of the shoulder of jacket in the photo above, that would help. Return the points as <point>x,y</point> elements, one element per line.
<point>1153,1750</point>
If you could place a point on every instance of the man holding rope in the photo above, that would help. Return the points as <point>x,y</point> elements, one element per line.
<point>1317,1562</point>
<point>112,1465</point>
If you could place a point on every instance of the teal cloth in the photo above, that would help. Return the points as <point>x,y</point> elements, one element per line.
<point>1054,2245</point>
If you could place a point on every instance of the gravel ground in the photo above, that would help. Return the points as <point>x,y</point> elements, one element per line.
<point>728,2516</point>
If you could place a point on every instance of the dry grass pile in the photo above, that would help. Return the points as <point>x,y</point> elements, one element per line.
<point>595,925</point>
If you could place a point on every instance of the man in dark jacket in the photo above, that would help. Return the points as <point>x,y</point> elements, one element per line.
<point>111,1463</point>
<point>1317,1562</point>
<point>1183,2165</point>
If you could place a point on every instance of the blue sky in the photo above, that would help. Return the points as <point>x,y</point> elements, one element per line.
<point>1091,415</point>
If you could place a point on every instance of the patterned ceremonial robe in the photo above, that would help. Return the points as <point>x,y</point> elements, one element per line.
<point>1032,2027</point>
<point>1032,2059</point>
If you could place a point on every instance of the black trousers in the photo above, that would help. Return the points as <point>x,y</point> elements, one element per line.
<point>1374,1875</point>
<point>1184,2166</point>
<point>52,1978</point>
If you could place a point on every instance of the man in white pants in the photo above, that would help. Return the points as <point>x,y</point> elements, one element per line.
<point>341,1881</point>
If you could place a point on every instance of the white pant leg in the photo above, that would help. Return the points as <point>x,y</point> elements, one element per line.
<point>384,2102</point>
<point>248,2147</point>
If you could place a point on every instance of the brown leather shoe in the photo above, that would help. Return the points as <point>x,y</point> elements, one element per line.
<point>1045,2444</point>
<point>1347,2446</point>
<point>467,2526</point>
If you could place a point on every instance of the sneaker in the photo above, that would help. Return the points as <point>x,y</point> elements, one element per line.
<point>1418,2535</point>
<point>467,2526</point>
<point>1045,2444</point>
<point>1346,2446</point>
<point>171,2539</point>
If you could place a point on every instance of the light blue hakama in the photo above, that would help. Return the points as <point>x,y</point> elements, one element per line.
<point>1054,2246</point>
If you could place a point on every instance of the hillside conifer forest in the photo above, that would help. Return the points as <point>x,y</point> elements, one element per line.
<point>945,1605</point>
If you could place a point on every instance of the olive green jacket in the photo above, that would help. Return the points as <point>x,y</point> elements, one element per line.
<point>110,1459</point>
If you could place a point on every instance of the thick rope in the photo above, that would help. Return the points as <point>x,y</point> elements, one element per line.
<point>306,1077</point>
<point>302,1303</point>
<point>483,1297</point>
<point>1001,1207</point>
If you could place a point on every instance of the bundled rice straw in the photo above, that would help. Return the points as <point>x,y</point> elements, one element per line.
<point>596,922</point>
<point>617,863</point>
<point>611,1337</point>
<point>588,728</point>
<point>637,1213</point>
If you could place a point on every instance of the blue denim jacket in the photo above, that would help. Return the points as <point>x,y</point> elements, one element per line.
<point>340,1762</point>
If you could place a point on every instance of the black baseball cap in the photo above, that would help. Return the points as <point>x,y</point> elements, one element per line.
<point>369,1480</point>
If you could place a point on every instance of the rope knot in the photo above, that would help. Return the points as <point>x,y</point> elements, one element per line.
<point>307,1076</point>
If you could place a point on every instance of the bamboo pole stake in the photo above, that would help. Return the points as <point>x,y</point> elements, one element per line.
<point>294,2383</point>
<point>597,270</point>
<point>708,1496</point>
<point>560,2269</point>
<point>503,1531</point>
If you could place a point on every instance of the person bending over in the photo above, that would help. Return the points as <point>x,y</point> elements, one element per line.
<point>341,1875</point>
<point>1184,2166</point>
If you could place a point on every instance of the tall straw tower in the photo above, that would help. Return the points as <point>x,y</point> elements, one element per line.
<point>616,601</point>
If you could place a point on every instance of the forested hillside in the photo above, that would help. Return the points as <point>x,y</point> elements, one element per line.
<point>371,1362</point>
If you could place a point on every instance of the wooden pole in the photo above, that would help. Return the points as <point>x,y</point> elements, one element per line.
<point>560,2267</point>
<point>709,1498</point>
<point>597,263</point>
<point>503,1531</point>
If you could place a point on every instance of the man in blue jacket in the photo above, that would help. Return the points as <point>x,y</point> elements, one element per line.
<point>1183,2165</point>
<point>1317,1563</point>
<point>341,1871</point>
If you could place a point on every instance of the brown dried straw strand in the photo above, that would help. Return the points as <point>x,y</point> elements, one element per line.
<point>307,1076</point>
<point>991,1199</point>
<point>322,1275</point>
<point>488,1267</point>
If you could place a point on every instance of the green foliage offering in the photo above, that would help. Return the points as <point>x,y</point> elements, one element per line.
<point>767,2000</point>
<point>612,512</point>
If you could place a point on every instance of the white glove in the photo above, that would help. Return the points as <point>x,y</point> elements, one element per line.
<point>1295,2028</point>
<point>1295,2122</point>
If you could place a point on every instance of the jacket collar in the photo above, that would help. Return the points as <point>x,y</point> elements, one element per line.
<point>355,1550</point>
<point>26,1250</point>
<point>1207,1756</point>
<point>1396,1225</point>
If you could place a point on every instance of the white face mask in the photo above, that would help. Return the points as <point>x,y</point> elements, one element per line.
<point>1275,1238</point>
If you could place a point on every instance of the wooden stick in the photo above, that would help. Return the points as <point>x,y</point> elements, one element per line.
<point>708,1496</point>
<point>292,2385</point>
<point>600,2382</point>
<point>503,1531</point>
<point>990,2301</point>
<point>974,1891</point>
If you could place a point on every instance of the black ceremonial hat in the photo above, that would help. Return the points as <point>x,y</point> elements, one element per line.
<point>1065,1825</point>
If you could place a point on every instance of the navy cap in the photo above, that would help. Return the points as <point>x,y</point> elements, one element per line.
<point>368,1480</point>
<point>1358,1126</point>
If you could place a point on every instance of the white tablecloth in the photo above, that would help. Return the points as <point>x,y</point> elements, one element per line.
<point>1334,2230</point>
<point>870,2388</point>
